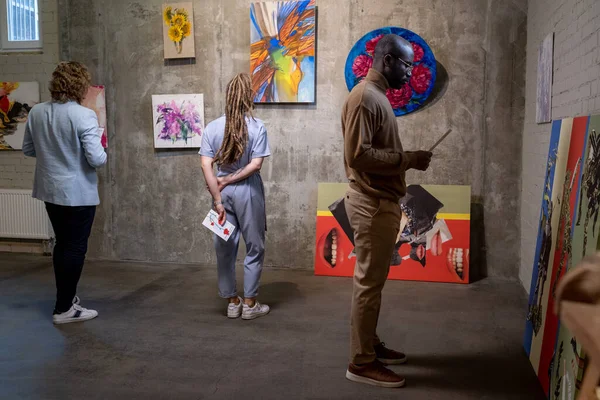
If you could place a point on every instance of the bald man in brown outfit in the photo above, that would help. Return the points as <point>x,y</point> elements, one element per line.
<point>375,164</point>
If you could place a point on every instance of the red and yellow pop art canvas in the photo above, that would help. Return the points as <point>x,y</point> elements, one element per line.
<point>432,245</point>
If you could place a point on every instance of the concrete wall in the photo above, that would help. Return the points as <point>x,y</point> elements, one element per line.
<point>575,92</point>
<point>16,171</point>
<point>504,98</point>
<point>154,201</point>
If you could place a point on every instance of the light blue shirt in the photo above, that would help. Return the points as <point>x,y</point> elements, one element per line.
<point>66,141</point>
<point>258,143</point>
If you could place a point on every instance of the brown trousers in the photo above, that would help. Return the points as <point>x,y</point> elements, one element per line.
<point>375,223</point>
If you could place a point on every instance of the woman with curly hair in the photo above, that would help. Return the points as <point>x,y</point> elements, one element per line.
<point>237,143</point>
<point>64,137</point>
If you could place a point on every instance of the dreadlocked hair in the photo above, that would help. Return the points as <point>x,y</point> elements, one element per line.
<point>238,104</point>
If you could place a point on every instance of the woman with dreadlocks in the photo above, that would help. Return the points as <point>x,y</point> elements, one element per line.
<point>237,143</point>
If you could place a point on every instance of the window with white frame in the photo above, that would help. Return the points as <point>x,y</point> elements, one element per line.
<point>20,25</point>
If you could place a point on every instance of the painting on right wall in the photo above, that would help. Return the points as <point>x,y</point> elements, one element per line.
<point>543,109</point>
<point>569,230</point>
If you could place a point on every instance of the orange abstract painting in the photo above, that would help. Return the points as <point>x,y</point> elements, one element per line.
<point>282,51</point>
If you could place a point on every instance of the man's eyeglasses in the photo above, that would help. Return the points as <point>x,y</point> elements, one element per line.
<point>406,63</point>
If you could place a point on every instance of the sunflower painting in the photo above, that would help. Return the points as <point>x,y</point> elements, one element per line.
<point>178,32</point>
<point>282,51</point>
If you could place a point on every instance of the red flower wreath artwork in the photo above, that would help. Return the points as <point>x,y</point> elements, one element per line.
<point>412,95</point>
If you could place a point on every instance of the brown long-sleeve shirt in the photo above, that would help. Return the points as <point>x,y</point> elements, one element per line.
<point>374,159</point>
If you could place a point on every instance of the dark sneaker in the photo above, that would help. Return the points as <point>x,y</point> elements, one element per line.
<point>374,374</point>
<point>389,356</point>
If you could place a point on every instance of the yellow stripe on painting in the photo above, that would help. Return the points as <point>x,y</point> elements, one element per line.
<point>448,216</point>
<point>451,216</point>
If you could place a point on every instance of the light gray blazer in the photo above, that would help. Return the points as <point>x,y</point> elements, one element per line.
<point>65,140</point>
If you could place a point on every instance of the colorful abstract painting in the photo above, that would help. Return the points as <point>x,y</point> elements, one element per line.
<point>282,51</point>
<point>16,100</point>
<point>412,95</point>
<point>569,359</point>
<point>547,240</point>
<point>178,120</point>
<point>587,227</point>
<point>95,100</point>
<point>178,30</point>
<point>543,110</point>
<point>567,232</point>
<point>433,243</point>
<point>563,255</point>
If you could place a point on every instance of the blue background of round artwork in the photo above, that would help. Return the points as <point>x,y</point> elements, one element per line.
<point>359,48</point>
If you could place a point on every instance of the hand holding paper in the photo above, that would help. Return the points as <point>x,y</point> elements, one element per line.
<point>212,222</point>
<point>222,215</point>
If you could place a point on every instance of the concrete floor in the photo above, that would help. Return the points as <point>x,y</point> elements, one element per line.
<point>162,334</point>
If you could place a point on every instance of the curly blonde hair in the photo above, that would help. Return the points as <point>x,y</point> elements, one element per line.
<point>70,82</point>
<point>238,104</point>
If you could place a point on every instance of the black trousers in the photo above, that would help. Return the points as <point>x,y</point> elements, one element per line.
<point>72,227</point>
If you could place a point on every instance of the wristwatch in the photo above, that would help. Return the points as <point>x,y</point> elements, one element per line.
<point>216,203</point>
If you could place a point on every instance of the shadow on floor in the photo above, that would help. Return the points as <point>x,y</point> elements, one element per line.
<point>455,373</point>
<point>276,293</point>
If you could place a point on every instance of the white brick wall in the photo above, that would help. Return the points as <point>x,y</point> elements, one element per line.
<point>16,171</point>
<point>575,92</point>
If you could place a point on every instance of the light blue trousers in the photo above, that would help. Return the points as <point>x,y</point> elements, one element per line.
<point>244,203</point>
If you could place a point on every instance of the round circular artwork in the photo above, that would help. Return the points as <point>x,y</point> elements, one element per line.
<point>412,95</point>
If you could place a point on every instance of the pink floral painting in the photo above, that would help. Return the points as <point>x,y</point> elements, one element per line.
<point>178,120</point>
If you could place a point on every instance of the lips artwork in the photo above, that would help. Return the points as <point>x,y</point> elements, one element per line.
<point>458,261</point>
<point>432,245</point>
<point>330,249</point>
<point>436,244</point>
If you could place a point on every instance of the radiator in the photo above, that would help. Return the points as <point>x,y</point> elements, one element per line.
<point>22,216</point>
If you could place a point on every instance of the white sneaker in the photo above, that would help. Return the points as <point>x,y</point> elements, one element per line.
<point>75,314</point>
<point>235,310</point>
<point>254,312</point>
<point>76,300</point>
